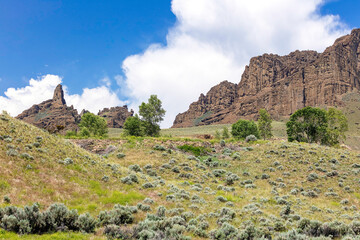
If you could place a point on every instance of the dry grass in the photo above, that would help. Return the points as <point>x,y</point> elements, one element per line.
<point>80,185</point>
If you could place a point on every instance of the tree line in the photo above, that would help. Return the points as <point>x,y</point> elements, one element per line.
<point>309,124</point>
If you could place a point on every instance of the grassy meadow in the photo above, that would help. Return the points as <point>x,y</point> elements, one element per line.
<point>207,188</point>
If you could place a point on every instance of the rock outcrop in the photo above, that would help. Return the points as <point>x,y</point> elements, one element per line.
<point>281,85</point>
<point>53,115</point>
<point>116,116</point>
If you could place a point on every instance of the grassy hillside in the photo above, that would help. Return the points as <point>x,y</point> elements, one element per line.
<point>271,185</point>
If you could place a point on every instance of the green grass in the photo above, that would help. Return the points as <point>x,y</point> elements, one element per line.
<point>122,198</point>
<point>196,151</point>
<point>54,236</point>
<point>4,185</point>
<point>81,186</point>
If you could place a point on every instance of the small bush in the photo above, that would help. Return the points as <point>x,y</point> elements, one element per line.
<point>118,215</point>
<point>7,200</point>
<point>251,138</point>
<point>132,178</point>
<point>86,223</point>
<point>147,185</point>
<point>135,168</point>
<point>27,156</point>
<point>12,153</point>
<point>196,151</point>
<point>243,128</point>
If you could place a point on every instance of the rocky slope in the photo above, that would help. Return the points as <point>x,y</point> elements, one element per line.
<point>282,84</point>
<point>53,114</point>
<point>116,116</point>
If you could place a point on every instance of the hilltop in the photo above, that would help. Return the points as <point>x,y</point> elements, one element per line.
<point>204,186</point>
<point>281,85</point>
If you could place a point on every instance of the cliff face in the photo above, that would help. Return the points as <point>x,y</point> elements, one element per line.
<point>281,85</point>
<point>116,116</point>
<point>53,114</point>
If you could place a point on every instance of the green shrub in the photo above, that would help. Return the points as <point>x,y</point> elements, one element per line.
<point>148,185</point>
<point>86,223</point>
<point>120,155</point>
<point>84,132</point>
<point>27,156</point>
<point>159,148</point>
<point>71,133</point>
<point>196,151</point>
<point>12,153</point>
<point>118,215</point>
<point>243,128</point>
<point>132,178</point>
<point>250,138</point>
<point>225,133</point>
<point>7,200</point>
<point>264,124</point>
<point>113,231</point>
<point>135,168</point>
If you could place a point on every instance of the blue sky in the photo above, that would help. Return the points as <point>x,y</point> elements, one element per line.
<point>131,49</point>
<point>82,40</point>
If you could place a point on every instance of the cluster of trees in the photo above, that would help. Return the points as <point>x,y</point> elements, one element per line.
<point>90,125</point>
<point>147,124</point>
<point>151,114</point>
<point>309,124</point>
<point>315,125</point>
<point>243,128</point>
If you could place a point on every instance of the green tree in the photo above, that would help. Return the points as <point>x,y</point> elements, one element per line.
<point>243,128</point>
<point>264,124</point>
<point>307,125</point>
<point>96,125</point>
<point>152,114</point>
<point>217,134</point>
<point>337,126</point>
<point>225,133</point>
<point>84,132</point>
<point>133,126</point>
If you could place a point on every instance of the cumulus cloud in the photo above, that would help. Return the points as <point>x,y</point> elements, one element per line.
<point>42,88</point>
<point>38,90</point>
<point>94,99</point>
<point>213,40</point>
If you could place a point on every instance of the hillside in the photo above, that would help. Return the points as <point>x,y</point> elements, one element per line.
<point>281,85</point>
<point>241,184</point>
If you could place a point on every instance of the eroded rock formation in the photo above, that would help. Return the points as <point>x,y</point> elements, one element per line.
<point>281,85</point>
<point>116,116</point>
<point>53,114</point>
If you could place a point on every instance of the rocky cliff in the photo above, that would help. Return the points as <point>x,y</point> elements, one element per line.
<point>53,115</point>
<point>116,116</point>
<point>281,85</point>
<point>56,117</point>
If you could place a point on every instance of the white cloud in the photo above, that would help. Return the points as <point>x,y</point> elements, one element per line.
<point>38,90</point>
<point>106,81</point>
<point>42,88</point>
<point>93,99</point>
<point>214,39</point>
